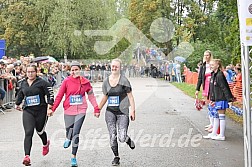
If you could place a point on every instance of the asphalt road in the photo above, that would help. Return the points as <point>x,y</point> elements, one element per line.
<point>167,131</point>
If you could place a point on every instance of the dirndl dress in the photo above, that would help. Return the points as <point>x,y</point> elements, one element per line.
<point>219,105</point>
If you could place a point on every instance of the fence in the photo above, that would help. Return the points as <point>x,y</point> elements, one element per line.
<point>9,98</point>
<point>92,75</point>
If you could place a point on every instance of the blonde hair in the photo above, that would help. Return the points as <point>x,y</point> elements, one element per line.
<point>218,61</point>
<point>118,60</point>
<point>210,53</point>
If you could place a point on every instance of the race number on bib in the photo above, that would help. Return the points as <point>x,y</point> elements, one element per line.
<point>113,101</point>
<point>76,99</point>
<point>32,100</point>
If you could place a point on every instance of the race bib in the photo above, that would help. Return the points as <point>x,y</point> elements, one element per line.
<point>76,100</point>
<point>113,101</point>
<point>32,100</point>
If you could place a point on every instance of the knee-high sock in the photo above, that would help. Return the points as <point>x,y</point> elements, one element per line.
<point>215,126</point>
<point>211,119</point>
<point>222,124</point>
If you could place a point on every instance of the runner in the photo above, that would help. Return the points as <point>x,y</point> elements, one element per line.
<point>35,109</point>
<point>74,87</point>
<point>118,92</point>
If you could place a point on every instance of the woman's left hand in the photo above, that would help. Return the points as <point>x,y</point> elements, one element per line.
<point>49,112</point>
<point>97,115</point>
<point>230,104</point>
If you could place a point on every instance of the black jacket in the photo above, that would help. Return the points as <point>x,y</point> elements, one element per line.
<point>201,77</point>
<point>218,88</point>
<point>39,87</point>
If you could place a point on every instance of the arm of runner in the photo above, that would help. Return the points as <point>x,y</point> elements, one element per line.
<point>49,112</point>
<point>49,92</point>
<point>92,99</point>
<point>20,97</point>
<point>103,101</point>
<point>105,95</point>
<point>132,106</point>
<point>59,96</point>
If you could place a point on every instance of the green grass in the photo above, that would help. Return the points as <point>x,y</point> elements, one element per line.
<point>189,90</point>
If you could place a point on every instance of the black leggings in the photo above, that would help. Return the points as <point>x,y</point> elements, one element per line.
<point>116,120</point>
<point>31,120</point>
<point>73,125</point>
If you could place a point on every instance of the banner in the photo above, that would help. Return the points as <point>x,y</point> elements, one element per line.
<point>245,18</point>
<point>2,48</point>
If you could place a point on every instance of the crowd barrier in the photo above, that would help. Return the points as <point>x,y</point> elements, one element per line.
<point>93,76</point>
<point>9,99</point>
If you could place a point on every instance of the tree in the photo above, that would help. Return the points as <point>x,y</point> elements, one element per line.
<point>68,22</point>
<point>200,48</point>
<point>56,27</point>
<point>227,18</point>
<point>19,21</point>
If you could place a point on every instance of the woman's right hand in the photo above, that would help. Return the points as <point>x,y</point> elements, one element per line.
<point>212,103</point>
<point>17,107</point>
<point>196,93</point>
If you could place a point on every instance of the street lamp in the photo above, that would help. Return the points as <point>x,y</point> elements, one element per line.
<point>138,52</point>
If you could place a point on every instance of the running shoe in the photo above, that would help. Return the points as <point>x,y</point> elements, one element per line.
<point>27,160</point>
<point>130,143</point>
<point>116,161</point>
<point>73,162</point>
<point>46,148</point>
<point>67,143</point>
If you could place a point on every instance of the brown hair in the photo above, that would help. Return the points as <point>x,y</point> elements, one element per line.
<point>32,65</point>
<point>238,67</point>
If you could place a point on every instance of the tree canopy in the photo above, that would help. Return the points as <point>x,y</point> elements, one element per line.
<point>56,27</point>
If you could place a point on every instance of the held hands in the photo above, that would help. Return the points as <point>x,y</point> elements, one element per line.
<point>97,115</point>
<point>97,111</point>
<point>49,111</point>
